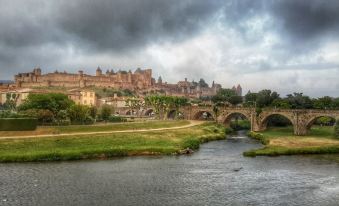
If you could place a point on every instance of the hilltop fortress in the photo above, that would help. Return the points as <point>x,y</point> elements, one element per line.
<point>141,81</point>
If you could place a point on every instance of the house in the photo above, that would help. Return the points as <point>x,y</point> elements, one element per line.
<point>83,97</point>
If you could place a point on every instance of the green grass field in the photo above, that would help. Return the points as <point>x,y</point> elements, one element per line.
<point>96,128</point>
<point>282,141</point>
<point>109,145</point>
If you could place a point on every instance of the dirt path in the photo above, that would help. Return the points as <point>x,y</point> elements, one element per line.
<point>192,123</point>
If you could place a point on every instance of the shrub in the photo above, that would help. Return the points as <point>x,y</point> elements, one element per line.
<point>105,112</point>
<point>79,114</point>
<point>259,137</point>
<point>228,130</point>
<point>18,124</point>
<point>336,129</point>
<point>240,125</point>
<point>43,116</point>
<point>117,119</point>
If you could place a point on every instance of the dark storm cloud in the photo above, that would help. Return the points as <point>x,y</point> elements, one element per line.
<point>307,20</point>
<point>92,27</point>
<point>128,24</point>
<point>53,33</point>
<point>125,24</point>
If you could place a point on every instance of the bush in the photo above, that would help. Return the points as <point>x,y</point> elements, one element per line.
<point>240,125</point>
<point>105,112</point>
<point>89,120</point>
<point>18,124</point>
<point>228,130</point>
<point>117,119</point>
<point>43,116</point>
<point>258,136</point>
<point>10,114</point>
<point>336,129</point>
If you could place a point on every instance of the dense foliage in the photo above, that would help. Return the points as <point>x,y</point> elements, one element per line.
<point>225,96</point>
<point>336,129</point>
<point>267,98</point>
<point>53,102</point>
<point>163,105</point>
<point>18,124</point>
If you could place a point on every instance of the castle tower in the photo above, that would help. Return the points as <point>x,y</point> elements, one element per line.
<point>239,90</point>
<point>98,72</point>
<point>129,76</point>
<point>160,80</point>
<point>37,71</point>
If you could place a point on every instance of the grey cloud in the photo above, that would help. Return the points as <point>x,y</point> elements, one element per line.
<point>128,24</point>
<point>39,32</point>
<point>307,20</point>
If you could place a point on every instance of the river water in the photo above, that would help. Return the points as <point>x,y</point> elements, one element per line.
<point>217,174</point>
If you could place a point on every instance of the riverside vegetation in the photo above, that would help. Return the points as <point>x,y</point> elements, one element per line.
<point>76,147</point>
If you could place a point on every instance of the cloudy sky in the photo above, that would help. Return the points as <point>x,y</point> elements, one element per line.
<point>285,45</point>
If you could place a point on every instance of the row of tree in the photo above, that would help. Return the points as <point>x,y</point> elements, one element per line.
<point>58,109</point>
<point>163,105</point>
<point>268,98</point>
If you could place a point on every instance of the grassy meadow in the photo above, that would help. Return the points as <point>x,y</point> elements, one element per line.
<point>76,147</point>
<point>47,130</point>
<point>282,141</point>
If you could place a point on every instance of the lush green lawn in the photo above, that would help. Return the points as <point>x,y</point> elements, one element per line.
<point>108,145</point>
<point>281,141</point>
<point>97,128</point>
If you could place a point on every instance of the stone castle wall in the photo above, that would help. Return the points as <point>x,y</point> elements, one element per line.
<point>140,80</point>
<point>127,80</point>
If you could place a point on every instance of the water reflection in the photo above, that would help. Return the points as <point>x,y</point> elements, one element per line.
<point>217,174</point>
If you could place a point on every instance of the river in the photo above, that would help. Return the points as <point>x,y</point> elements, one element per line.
<point>217,174</point>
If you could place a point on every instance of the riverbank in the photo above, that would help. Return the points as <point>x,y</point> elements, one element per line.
<point>101,146</point>
<point>281,141</point>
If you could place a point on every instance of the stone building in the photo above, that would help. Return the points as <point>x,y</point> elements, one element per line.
<point>83,97</point>
<point>18,96</point>
<point>238,90</point>
<point>140,79</point>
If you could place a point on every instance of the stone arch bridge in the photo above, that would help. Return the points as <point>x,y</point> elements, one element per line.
<point>301,119</point>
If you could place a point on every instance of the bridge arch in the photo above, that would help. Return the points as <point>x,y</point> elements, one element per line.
<point>203,115</point>
<point>228,117</point>
<point>313,119</point>
<point>148,112</point>
<point>265,119</point>
<point>129,112</point>
<point>173,114</point>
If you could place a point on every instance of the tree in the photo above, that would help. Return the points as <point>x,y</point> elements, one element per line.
<point>78,114</point>
<point>226,95</point>
<point>134,104</point>
<point>162,105</point>
<point>234,100</point>
<point>53,102</point>
<point>93,112</point>
<point>325,121</point>
<point>325,102</point>
<point>281,103</point>
<point>299,101</point>
<point>250,99</point>
<point>266,97</point>
<point>179,102</point>
<point>105,112</point>
<point>43,115</point>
